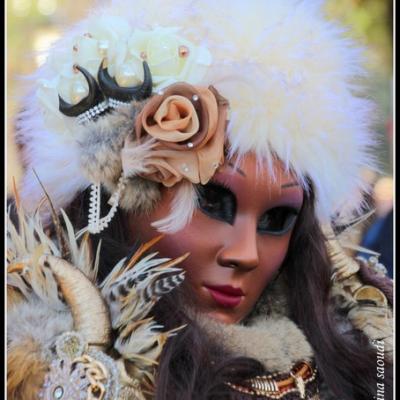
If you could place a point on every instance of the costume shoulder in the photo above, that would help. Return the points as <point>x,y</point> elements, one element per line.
<point>71,337</point>
<point>362,291</point>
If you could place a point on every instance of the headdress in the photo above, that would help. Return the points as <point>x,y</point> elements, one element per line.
<point>144,94</point>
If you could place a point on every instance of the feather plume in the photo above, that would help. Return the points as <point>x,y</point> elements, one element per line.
<point>28,243</point>
<point>162,286</point>
<point>130,296</point>
<point>130,291</point>
<point>353,227</point>
<point>56,222</point>
<point>182,209</point>
<point>134,155</point>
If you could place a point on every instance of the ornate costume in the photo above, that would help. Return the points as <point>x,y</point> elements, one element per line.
<point>137,97</point>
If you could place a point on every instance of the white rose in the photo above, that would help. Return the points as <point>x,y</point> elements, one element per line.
<point>171,59</point>
<point>47,95</point>
<point>163,49</point>
<point>103,37</point>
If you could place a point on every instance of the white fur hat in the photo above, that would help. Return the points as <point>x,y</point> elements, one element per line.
<point>290,77</point>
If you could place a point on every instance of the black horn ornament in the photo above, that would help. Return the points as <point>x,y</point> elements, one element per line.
<point>112,90</point>
<point>94,97</point>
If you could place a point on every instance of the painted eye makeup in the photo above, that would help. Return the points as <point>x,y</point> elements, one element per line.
<point>277,221</point>
<point>217,201</point>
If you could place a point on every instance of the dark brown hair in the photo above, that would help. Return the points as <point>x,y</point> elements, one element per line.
<point>192,366</point>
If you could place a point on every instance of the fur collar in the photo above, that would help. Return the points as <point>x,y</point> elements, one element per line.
<point>277,342</point>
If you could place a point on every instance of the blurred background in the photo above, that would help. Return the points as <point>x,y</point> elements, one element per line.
<point>32,25</point>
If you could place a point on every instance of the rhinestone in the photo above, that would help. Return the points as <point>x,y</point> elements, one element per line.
<point>58,392</point>
<point>183,51</point>
<point>190,145</point>
<point>195,97</point>
<point>185,168</point>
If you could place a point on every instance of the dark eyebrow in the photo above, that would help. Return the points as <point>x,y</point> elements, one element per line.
<point>288,185</point>
<point>237,169</point>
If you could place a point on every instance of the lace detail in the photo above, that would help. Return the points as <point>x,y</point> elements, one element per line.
<point>94,207</point>
<point>95,223</point>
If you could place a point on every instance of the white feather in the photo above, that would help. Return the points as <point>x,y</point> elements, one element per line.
<point>182,209</point>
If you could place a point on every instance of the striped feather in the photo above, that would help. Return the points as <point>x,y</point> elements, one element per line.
<point>162,286</point>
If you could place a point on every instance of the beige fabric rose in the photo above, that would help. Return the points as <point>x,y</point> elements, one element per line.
<point>176,120</point>
<point>188,124</point>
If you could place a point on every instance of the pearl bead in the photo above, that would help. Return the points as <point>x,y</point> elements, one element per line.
<point>185,168</point>
<point>126,76</point>
<point>195,97</point>
<point>78,92</point>
<point>190,145</point>
<point>183,51</point>
<point>58,392</point>
<point>102,46</point>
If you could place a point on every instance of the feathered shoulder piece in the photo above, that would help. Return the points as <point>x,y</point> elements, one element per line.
<point>70,337</point>
<point>361,290</point>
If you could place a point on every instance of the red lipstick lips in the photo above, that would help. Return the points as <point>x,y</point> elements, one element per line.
<point>226,296</point>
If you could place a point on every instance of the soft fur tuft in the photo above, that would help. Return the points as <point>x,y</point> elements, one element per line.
<point>25,371</point>
<point>38,321</point>
<point>290,77</point>
<point>139,196</point>
<point>276,342</point>
<point>100,144</point>
<point>32,327</point>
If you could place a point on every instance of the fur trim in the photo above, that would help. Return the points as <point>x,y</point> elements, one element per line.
<point>31,330</point>
<point>273,301</point>
<point>100,144</point>
<point>288,73</point>
<point>276,342</point>
<point>140,195</point>
<point>25,370</point>
<point>39,321</point>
